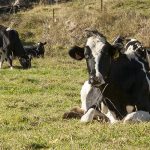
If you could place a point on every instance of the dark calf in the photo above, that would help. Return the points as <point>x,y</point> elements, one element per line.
<point>37,50</point>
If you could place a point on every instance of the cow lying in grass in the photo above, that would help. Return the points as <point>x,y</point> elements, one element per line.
<point>88,92</point>
<point>37,50</point>
<point>123,81</point>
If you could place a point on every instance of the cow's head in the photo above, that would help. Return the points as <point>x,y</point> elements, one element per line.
<point>25,61</point>
<point>98,54</point>
<point>40,49</point>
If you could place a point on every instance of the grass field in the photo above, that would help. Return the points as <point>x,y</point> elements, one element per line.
<point>33,101</point>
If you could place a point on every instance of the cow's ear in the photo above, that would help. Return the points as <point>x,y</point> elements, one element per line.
<point>127,40</point>
<point>76,52</point>
<point>90,32</point>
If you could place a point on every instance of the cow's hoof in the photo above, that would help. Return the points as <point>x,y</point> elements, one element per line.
<point>88,117</point>
<point>114,122</point>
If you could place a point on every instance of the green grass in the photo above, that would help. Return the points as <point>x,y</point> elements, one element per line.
<point>32,102</point>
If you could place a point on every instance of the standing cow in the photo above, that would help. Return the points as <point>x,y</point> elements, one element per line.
<point>11,46</point>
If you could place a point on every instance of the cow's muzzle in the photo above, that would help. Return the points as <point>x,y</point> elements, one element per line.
<point>96,81</point>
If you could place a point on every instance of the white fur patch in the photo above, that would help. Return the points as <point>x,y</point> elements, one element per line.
<point>96,43</point>
<point>138,116</point>
<point>98,74</point>
<point>8,29</point>
<point>84,92</point>
<point>0,65</point>
<point>109,114</point>
<point>133,40</point>
<point>130,53</point>
<point>112,117</point>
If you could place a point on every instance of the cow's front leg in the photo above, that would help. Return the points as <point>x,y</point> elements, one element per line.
<point>91,114</point>
<point>1,61</point>
<point>10,61</point>
<point>88,116</point>
<point>109,114</point>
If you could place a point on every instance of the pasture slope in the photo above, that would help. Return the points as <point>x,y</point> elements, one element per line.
<point>33,101</point>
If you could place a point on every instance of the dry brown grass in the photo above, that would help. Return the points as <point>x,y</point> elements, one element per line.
<point>71,19</point>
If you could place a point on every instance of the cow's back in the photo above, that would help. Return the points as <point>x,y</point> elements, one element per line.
<point>16,45</point>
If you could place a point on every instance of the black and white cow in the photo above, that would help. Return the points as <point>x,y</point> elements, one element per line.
<point>89,93</point>
<point>134,49</point>
<point>11,46</point>
<point>123,82</point>
<point>37,50</point>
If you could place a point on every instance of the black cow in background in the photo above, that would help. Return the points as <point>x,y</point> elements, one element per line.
<point>13,7</point>
<point>37,50</point>
<point>11,46</point>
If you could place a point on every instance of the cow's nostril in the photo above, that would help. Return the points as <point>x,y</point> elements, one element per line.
<point>91,79</point>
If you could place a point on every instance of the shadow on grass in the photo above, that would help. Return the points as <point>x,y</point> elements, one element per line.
<point>20,67</point>
<point>35,146</point>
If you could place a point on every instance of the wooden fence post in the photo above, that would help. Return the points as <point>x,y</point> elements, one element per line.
<point>101,5</point>
<point>53,15</point>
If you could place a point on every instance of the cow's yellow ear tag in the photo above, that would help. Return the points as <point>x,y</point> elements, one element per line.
<point>116,55</point>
